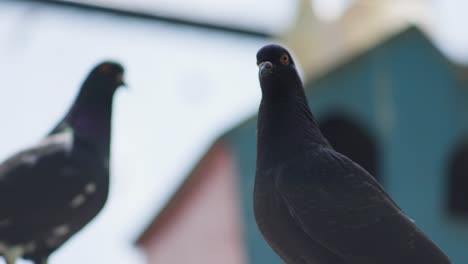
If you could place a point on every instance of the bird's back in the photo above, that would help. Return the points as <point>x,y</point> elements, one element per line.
<point>48,193</point>
<point>338,205</point>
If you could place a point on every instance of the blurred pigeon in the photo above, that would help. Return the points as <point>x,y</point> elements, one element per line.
<point>312,204</point>
<point>52,190</point>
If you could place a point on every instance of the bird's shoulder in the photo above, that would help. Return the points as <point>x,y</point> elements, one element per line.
<point>334,200</point>
<point>322,171</point>
<point>320,163</point>
<point>52,148</point>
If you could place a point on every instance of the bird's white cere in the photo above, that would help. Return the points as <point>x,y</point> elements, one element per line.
<point>78,201</point>
<point>90,188</point>
<point>5,222</point>
<point>61,230</point>
<point>29,159</point>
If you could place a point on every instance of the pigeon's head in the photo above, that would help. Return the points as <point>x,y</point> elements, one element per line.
<point>107,76</point>
<point>274,63</point>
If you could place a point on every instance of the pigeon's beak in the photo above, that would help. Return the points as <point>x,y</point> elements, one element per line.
<point>265,68</point>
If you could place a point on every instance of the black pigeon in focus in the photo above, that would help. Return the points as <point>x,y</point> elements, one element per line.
<point>312,204</point>
<point>52,190</point>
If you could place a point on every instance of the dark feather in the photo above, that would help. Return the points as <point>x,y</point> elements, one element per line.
<point>312,204</point>
<point>52,190</point>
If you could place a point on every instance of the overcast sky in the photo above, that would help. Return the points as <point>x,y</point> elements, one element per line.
<point>182,94</point>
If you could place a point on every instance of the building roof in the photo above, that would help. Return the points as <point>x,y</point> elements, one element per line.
<point>182,190</point>
<point>321,44</point>
<point>411,31</point>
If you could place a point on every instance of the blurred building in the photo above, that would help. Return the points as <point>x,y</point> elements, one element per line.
<point>322,42</point>
<point>399,109</point>
<point>202,222</point>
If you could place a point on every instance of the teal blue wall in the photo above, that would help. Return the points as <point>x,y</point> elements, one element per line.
<point>413,103</point>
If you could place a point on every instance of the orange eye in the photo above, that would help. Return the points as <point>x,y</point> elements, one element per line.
<point>105,68</point>
<point>284,59</point>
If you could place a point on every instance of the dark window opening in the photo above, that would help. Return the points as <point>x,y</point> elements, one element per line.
<point>352,141</point>
<point>458,181</point>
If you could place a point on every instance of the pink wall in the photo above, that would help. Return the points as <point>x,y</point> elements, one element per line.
<point>203,222</point>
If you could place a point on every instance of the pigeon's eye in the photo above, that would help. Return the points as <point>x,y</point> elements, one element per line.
<point>284,59</point>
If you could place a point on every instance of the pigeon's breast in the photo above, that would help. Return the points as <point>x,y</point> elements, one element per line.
<point>273,220</point>
<point>281,231</point>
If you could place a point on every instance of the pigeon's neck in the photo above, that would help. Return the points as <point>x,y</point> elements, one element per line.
<point>90,119</point>
<point>286,127</point>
